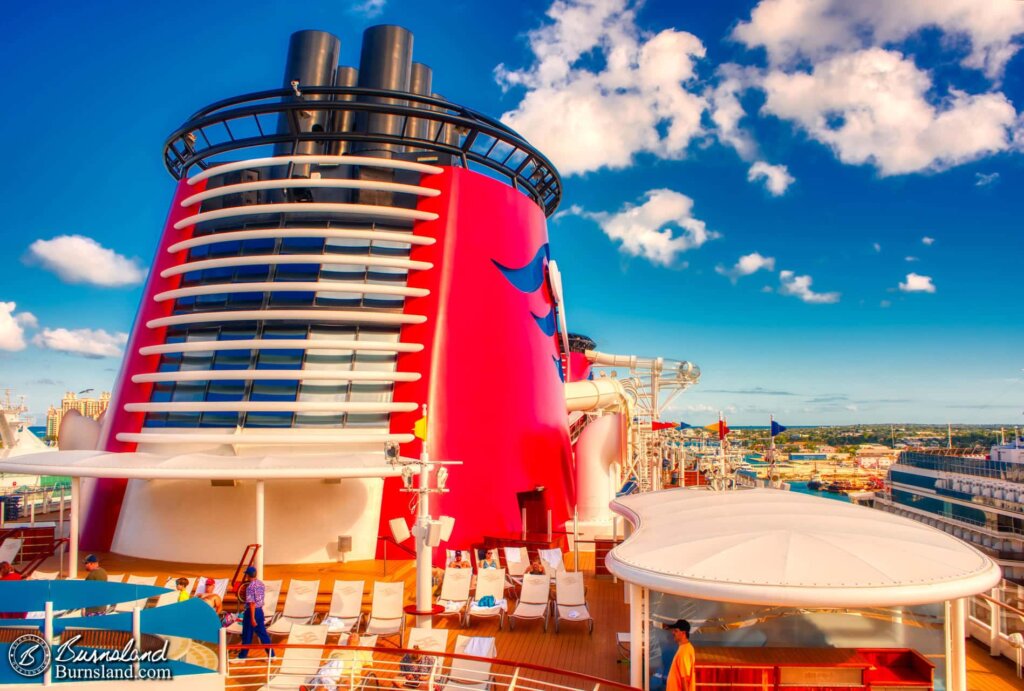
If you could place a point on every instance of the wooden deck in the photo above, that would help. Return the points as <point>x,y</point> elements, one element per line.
<point>572,649</point>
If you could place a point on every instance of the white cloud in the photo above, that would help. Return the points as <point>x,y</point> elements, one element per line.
<point>700,408</point>
<point>12,326</point>
<point>872,107</point>
<point>877,247</point>
<point>885,303</point>
<point>650,229</point>
<point>916,283</point>
<point>928,241</point>
<point>78,259</point>
<point>91,343</point>
<point>369,8</point>
<point>984,180</point>
<point>776,178</point>
<point>792,30</point>
<point>586,118</point>
<point>727,112</point>
<point>911,259</point>
<point>800,287</point>
<point>746,265</point>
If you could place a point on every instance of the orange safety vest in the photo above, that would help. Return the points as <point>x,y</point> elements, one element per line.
<point>681,675</point>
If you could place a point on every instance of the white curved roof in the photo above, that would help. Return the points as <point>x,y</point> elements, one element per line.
<point>764,546</point>
<point>198,466</point>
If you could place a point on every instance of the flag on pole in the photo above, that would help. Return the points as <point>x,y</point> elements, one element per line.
<point>662,425</point>
<point>419,428</point>
<point>719,427</point>
<point>683,425</point>
<point>777,429</point>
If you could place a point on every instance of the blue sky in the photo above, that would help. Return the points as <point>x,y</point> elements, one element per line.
<point>883,141</point>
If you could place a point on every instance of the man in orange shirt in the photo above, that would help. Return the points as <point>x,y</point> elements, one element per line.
<point>682,676</point>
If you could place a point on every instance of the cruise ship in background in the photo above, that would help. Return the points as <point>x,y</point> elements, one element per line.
<point>975,496</point>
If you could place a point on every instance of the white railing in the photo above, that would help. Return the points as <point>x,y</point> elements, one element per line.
<point>384,670</point>
<point>997,620</point>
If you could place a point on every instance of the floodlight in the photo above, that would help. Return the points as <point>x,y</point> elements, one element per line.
<point>407,476</point>
<point>447,526</point>
<point>399,529</point>
<point>442,477</point>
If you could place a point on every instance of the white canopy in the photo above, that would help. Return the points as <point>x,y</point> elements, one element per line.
<point>198,466</point>
<point>773,547</point>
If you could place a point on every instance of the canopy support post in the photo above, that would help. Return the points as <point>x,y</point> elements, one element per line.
<point>260,520</point>
<point>956,652</point>
<point>76,507</point>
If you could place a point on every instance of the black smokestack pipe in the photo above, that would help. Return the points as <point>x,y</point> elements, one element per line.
<point>312,60</point>
<point>344,120</point>
<point>448,135</point>
<point>420,83</point>
<point>385,63</point>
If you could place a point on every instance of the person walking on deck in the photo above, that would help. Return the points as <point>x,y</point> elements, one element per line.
<point>682,676</point>
<point>252,616</point>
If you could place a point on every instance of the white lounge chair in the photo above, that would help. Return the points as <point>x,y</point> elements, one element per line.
<point>489,582</point>
<point>298,664</point>
<point>10,548</point>
<point>455,592</point>
<point>115,578</point>
<point>387,618</point>
<point>428,640</point>
<point>299,607</point>
<point>271,597</point>
<point>220,586</point>
<point>346,610</point>
<point>552,560</point>
<point>38,575</point>
<point>570,600</point>
<point>141,602</point>
<point>459,556</point>
<point>471,674</point>
<point>345,668</point>
<point>534,600</point>
<point>517,561</point>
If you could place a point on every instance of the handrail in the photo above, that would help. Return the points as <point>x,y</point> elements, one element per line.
<point>1002,604</point>
<point>479,138</point>
<point>399,652</point>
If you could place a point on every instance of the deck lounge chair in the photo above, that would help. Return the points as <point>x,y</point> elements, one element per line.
<point>570,600</point>
<point>38,575</point>
<point>489,582</point>
<point>346,610</point>
<point>271,597</point>
<point>552,560</point>
<point>115,578</point>
<point>298,664</point>
<point>347,669</point>
<point>387,618</point>
<point>140,603</point>
<point>534,600</point>
<point>429,640</point>
<point>517,561</point>
<point>220,586</point>
<point>455,592</point>
<point>472,674</point>
<point>299,607</point>
<point>10,548</point>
